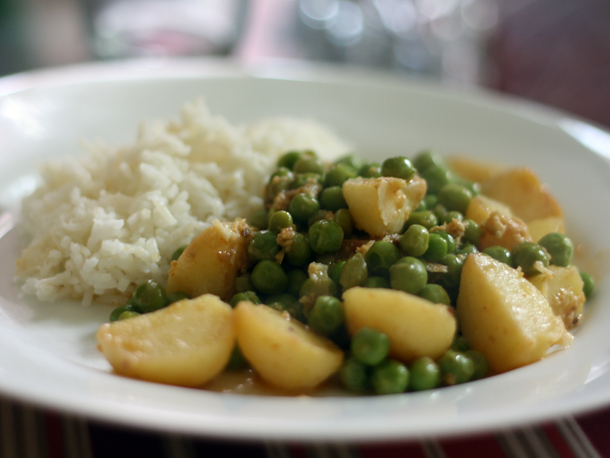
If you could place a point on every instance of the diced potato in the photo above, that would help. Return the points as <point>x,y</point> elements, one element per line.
<point>480,207</point>
<point>282,350</point>
<point>562,287</point>
<point>538,228</point>
<point>472,169</point>
<point>416,327</point>
<point>212,261</point>
<point>520,189</point>
<point>187,343</point>
<point>504,316</point>
<point>381,206</point>
<point>504,231</point>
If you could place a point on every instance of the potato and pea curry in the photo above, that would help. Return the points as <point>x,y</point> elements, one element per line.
<point>400,276</point>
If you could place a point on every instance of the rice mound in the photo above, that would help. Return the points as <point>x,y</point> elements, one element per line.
<point>103,223</point>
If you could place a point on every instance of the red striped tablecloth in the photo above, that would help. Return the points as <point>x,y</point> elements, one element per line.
<point>27,432</point>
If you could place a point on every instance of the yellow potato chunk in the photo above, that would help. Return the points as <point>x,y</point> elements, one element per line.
<point>562,287</point>
<point>540,227</point>
<point>473,169</point>
<point>504,316</point>
<point>522,191</point>
<point>416,327</point>
<point>504,231</point>
<point>381,206</point>
<point>187,343</point>
<point>480,207</point>
<point>212,261</point>
<point>282,350</point>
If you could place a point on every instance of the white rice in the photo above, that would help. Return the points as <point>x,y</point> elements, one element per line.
<point>103,223</point>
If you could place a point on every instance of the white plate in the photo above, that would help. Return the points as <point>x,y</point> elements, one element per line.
<point>47,352</point>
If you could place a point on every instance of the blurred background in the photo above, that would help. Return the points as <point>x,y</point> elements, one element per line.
<point>553,51</point>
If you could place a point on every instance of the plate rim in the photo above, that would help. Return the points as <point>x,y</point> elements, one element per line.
<point>148,69</point>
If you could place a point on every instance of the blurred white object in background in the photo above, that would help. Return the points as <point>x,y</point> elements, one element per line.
<point>128,28</point>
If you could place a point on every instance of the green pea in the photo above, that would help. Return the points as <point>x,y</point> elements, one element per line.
<point>351,160</point>
<point>467,248</point>
<point>130,306</point>
<point>424,218</point>
<point>370,346</point>
<point>338,174</point>
<point>280,220</point>
<point>377,282</point>
<point>302,179</point>
<point>263,245</point>
<point>372,170</point>
<point>245,296</point>
<point>243,283</point>
<point>298,253</point>
<point>588,283</point>
<point>326,315</point>
<point>414,242</point>
<point>472,186</point>
<point>436,177</point>
<point>408,274</point>
<point>399,167</point>
<point>421,207</point>
<point>435,293</point>
<point>437,248</point>
<point>354,272</point>
<point>296,278</point>
<point>325,236</point>
<point>128,314</point>
<point>424,374</point>
<point>390,377</point>
<point>309,162</point>
<point>287,160</point>
<point>315,288</point>
<point>176,254</point>
<point>281,180</point>
<point>269,277</point>
<point>481,365</point>
<point>380,256</point>
<point>302,207</point>
<point>176,296</point>
<point>238,360</point>
<point>296,311</point>
<point>149,296</point>
<point>454,197</point>
<point>354,375</point>
<point>526,254</point>
<point>259,219</point>
<point>335,269</point>
<point>450,216</point>
<point>440,212</point>
<point>451,243</point>
<point>499,253</point>
<point>344,219</point>
<point>454,266</point>
<point>455,367</point>
<point>430,201</point>
<point>472,232</point>
<point>319,216</point>
<point>427,159</point>
<point>460,344</point>
<point>281,301</point>
<point>332,198</point>
<point>559,248</point>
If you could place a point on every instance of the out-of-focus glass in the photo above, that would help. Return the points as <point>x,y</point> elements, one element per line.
<point>131,28</point>
<point>439,38</point>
